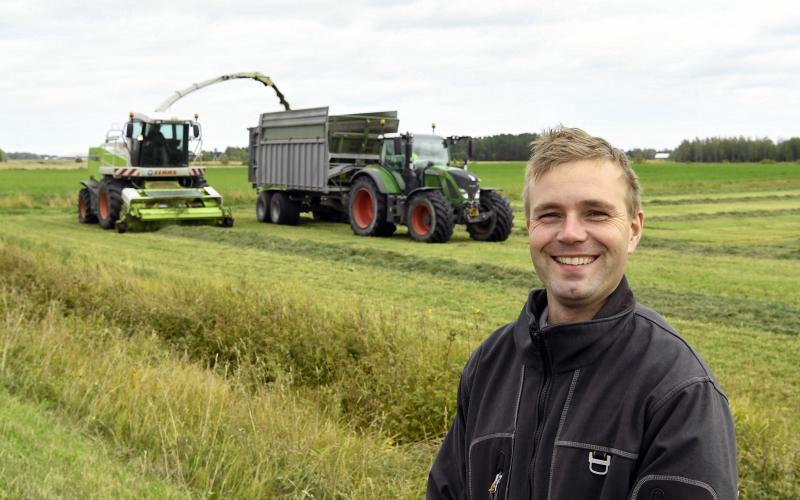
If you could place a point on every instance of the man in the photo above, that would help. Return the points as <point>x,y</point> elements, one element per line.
<point>588,395</point>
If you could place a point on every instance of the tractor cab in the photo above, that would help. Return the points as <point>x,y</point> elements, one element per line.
<point>159,141</point>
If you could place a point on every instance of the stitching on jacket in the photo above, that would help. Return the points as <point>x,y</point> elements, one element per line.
<point>513,437</point>
<point>652,317</point>
<point>683,385</point>
<point>604,449</point>
<point>680,479</point>
<point>560,426</point>
<point>469,454</point>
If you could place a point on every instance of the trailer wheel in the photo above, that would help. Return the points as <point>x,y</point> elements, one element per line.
<point>368,209</point>
<point>85,213</point>
<point>282,210</point>
<point>262,206</point>
<point>498,226</point>
<point>109,203</point>
<point>430,217</point>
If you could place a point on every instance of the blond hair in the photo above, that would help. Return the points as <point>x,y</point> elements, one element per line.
<point>563,145</point>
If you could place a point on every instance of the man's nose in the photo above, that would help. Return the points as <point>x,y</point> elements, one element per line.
<point>572,229</point>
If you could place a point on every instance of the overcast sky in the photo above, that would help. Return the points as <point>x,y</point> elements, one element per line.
<point>639,75</point>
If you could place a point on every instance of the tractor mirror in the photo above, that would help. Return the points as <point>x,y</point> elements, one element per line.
<point>129,130</point>
<point>196,130</point>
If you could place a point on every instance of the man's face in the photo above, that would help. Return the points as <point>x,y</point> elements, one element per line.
<point>580,234</point>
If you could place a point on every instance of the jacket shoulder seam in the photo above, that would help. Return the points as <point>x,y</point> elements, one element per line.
<point>675,390</point>
<point>642,312</point>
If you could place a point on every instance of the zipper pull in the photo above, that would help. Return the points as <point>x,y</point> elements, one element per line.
<point>495,484</point>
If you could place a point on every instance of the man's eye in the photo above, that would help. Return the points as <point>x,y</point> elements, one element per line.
<point>548,216</point>
<point>597,215</point>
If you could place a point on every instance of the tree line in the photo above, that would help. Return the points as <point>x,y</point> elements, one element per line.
<point>737,149</point>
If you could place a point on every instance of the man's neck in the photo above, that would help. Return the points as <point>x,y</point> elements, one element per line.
<point>557,313</point>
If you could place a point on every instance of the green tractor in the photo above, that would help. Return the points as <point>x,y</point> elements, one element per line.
<point>434,193</point>
<point>141,177</point>
<point>357,168</point>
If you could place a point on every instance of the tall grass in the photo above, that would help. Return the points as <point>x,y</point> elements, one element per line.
<point>210,431</point>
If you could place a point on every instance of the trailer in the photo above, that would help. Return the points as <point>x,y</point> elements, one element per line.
<point>357,168</point>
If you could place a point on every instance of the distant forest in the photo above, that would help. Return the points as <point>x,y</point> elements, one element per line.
<point>516,147</point>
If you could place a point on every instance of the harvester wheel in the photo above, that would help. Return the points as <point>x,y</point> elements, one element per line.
<point>262,206</point>
<point>109,203</point>
<point>85,213</point>
<point>282,210</point>
<point>429,217</point>
<point>498,226</point>
<point>368,209</point>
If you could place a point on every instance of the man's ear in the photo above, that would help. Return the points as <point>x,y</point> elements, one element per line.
<point>637,226</point>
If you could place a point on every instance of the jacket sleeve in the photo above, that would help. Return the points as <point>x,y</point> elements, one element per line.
<point>690,446</point>
<point>447,478</point>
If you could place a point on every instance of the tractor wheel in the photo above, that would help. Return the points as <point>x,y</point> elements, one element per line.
<point>85,213</point>
<point>199,182</point>
<point>429,217</point>
<point>498,226</point>
<point>282,210</point>
<point>368,210</point>
<point>109,203</point>
<point>262,206</point>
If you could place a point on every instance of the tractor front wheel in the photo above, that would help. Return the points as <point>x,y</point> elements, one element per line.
<point>282,210</point>
<point>86,214</point>
<point>368,210</point>
<point>498,226</point>
<point>429,217</point>
<point>109,203</point>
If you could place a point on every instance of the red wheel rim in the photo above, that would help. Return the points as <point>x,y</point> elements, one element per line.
<point>363,208</point>
<point>421,219</point>
<point>82,208</point>
<point>103,205</point>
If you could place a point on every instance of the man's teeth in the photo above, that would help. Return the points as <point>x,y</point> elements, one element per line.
<point>575,261</point>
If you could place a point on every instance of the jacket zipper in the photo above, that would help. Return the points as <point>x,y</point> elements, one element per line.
<point>544,395</point>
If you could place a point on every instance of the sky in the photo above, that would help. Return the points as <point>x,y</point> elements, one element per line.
<point>640,74</point>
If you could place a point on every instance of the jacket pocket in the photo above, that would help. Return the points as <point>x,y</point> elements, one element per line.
<point>589,471</point>
<point>489,464</point>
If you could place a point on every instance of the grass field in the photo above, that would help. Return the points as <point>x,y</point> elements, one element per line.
<point>305,362</point>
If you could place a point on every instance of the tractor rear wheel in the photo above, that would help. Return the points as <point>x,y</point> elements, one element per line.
<point>282,210</point>
<point>429,217</point>
<point>86,214</point>
<point>368,210</point>
<point>109,203</point>
<point>262,206</point>
<point>498,226</point>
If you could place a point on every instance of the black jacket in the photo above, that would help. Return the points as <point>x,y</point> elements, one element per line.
<point>619,407</point>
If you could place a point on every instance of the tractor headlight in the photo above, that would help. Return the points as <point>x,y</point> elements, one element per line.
<point>464,193</point>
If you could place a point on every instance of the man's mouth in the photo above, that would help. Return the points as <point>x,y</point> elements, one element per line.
<point>575,261</point>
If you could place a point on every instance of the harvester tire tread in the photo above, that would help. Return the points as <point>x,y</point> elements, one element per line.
<point>109,203</point>
<point>86,211</point>
<point>499,226</point>
<point>368,210</point>
<point>262,206</point>
<point>283,210</point>
<point>429,217</point>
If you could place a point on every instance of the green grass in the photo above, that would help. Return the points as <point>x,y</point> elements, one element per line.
<point>352,347</point>
<point>42,457</point>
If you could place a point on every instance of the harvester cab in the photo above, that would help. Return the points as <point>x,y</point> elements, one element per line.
<point>142,177</point>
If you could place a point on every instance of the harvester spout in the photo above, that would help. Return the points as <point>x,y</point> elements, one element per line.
<point>179,94</point>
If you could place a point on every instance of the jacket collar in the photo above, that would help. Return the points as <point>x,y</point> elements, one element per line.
<point>568,346</point>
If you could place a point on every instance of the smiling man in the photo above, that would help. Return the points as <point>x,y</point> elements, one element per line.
<point>588,394</point>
